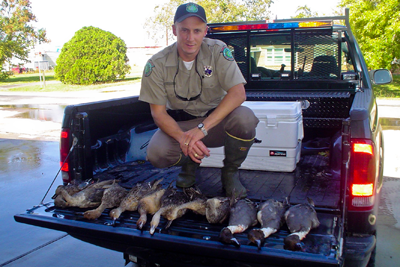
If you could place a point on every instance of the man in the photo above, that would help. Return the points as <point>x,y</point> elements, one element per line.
<point>195,91</point>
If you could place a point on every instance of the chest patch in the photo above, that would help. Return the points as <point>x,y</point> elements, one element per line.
<point>208,71</point>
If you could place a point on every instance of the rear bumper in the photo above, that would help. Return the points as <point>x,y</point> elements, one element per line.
<point>358,250</point>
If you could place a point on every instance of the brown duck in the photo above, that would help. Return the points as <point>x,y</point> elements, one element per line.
<point>196,202</point>
<point>271,217</point>
<point>131,200</point>
<point>171,199</point>
<point>90,197</point>
<point>149,204</point>
<point>112,197</point>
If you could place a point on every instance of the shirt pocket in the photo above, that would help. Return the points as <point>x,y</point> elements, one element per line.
<point>212,92</point>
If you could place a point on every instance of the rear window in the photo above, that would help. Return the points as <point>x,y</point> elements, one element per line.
<point>291,55</point>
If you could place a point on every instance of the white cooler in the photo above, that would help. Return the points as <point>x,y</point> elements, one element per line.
<point>280,131</point>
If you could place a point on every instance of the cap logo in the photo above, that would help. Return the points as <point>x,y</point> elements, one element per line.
<point>192,8</point>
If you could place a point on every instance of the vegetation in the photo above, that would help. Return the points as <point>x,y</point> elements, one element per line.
<point>17,33</point>
<point>159,25</point>
<point>391,90</point>
<point>92,56</point>
<point>376,25</point>
<point>30,83</point>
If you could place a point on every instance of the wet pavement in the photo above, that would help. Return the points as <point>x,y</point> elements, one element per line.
<point>29,154</point>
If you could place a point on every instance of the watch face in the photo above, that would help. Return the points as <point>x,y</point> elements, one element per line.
<point>201,125</point>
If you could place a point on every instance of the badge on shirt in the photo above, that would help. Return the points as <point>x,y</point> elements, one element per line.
<point>148,69</point>
<point>208,71</point>
<point>227,53</point>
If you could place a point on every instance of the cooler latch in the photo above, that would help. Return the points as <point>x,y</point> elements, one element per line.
<point>272,121</point>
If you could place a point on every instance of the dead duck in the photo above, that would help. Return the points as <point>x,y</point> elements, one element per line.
<point>112,197</point>
<point>169,201</point>
<point>90,197</point>
<point>149,204</point>
<point>271,217</point>
<point>243,215</point>
<point>131,200</point>
<point>300,219</point>
<point>217,209</point>
<point>71,189</point>
<point>196,203</point>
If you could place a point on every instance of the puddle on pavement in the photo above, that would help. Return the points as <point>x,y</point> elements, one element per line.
<point>53,113</point>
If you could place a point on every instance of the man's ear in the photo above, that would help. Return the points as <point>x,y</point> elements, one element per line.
<point>174,29</point>
<point>205,33</point>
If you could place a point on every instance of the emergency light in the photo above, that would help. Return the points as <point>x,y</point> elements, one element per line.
<point>270,26</point>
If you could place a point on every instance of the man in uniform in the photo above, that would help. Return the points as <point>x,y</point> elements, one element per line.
<point>195,91</point>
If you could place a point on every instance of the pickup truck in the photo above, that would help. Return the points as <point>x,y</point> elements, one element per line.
<point>312,61</point>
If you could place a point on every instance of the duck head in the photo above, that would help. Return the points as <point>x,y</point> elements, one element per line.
<point>292,242</point>
<point>256,236</point>
<point>227,237</point>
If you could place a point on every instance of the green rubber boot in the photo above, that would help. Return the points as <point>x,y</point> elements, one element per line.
<point>187,176</point>
<point>236,151</point>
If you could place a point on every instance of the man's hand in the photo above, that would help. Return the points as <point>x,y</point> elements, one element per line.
<point>192,146</point>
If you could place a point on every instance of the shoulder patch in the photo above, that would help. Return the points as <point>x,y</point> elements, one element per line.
<point>226,52</point>
<point>148,69</point>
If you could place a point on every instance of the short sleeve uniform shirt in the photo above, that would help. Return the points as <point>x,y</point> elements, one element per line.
<point>166,79</point>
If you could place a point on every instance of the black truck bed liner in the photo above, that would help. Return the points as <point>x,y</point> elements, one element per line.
<point>312,178</point>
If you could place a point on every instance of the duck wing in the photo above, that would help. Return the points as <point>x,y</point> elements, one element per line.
<point>243,214</point>
<point>271,214</point>
<point>301,218</point>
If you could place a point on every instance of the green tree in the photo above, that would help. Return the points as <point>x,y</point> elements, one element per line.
<point>92,56</point>
<point>305,12</point>
<point>376,25</point>
<point>159,25</point>
<point>17,35</point>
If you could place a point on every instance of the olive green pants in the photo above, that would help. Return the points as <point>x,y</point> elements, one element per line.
<point>164,151</point>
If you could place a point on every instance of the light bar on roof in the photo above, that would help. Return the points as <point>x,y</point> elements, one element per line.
<point>270,26</point>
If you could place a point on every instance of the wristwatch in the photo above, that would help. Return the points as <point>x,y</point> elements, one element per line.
<point>202,128</point>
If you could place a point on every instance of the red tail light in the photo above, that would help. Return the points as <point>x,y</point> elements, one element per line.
<point>363,171</point>
<point>64,150</point>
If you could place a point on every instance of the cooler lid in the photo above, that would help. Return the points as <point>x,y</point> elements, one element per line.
<point>279,110</point>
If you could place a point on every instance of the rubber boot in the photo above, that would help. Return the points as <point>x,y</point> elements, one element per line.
<point>236,151</point>
<point>187,177</point>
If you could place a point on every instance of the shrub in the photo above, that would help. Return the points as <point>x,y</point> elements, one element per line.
<point>92,56</point>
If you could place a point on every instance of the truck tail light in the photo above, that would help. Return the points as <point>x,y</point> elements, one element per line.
<point>363,171</point>
<point>64,150</point>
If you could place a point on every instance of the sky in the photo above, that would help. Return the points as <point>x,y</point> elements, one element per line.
<point>126,18</point>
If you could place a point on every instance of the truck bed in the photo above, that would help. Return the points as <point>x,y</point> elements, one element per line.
<point>311,179</point>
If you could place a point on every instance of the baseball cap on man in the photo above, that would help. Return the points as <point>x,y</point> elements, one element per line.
<point>189,10</point>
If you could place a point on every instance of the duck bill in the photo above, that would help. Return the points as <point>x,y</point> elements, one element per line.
<point>258,242</point>
<point>235,242</point>
<point>152,230</point>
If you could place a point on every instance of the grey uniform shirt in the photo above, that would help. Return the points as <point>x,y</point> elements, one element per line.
<point>213,73</point>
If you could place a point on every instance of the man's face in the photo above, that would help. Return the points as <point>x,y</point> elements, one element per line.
<point>190,34</point>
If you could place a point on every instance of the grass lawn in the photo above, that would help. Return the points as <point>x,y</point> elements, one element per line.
<point>391,90</point>
<point>36,86</point>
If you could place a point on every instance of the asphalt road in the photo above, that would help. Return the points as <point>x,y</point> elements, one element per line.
<point>29,162</point>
